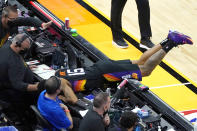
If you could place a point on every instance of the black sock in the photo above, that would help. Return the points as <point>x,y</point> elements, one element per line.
<point>164,42</point>
<point>167,46</point>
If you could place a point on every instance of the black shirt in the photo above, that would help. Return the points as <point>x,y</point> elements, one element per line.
<point>117,129</point>
<point>91,75</point>
<point>92,122</point>
<point>14,73</point>
<point>99,74</point>
<point>13,27</point>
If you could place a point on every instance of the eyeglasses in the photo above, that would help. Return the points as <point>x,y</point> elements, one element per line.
<point>11,18</point>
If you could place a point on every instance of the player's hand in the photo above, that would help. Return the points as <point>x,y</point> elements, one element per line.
<point>106,120</point>
<point>46,25</point>
<point>64,107</point>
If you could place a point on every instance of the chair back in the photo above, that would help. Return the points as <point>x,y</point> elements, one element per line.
<point>41,120</point>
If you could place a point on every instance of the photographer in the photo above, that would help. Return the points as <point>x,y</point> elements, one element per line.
<point>10,21</point>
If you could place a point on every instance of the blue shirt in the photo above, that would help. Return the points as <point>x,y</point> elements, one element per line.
<point>51,111</point>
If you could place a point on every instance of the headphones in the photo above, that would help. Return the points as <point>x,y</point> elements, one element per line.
<point>6,8</point>
<point>5,12</point>
<point>24,37</point>
<point>58,82</point>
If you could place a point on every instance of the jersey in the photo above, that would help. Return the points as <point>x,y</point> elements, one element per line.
<point>94,76</point>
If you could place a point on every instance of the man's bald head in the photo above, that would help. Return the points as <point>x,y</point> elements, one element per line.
<point>52,85</point>
<point>22,40</point>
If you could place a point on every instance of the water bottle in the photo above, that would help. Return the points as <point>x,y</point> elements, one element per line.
<point>159,128</point>
<point>108,90</point>
<point>67,26</point>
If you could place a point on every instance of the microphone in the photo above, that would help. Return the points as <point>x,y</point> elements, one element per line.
<point>120,90</point>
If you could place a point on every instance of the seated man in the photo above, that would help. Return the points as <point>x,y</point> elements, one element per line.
<point>128,121</point>
<point>51,108</point>
<point>16,78</point>
<point>114,71</point>
<point>97,119</point>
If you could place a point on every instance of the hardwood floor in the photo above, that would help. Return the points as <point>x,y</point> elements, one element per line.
<point>180,15</point>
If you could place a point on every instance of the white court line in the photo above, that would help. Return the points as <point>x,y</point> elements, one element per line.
<point>170,85</point>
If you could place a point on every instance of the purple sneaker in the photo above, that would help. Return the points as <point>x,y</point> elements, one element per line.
<point>179,38</point>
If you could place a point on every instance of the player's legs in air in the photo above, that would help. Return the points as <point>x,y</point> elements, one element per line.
<point>151,58</point>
